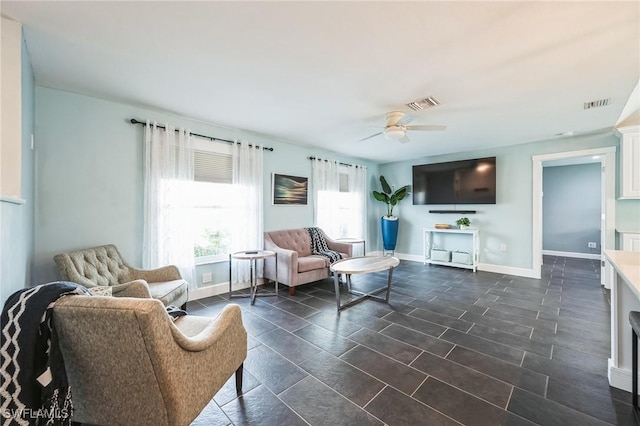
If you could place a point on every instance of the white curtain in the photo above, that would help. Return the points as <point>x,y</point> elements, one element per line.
<point>168,200</point>
<point>358,193</point>
<point>340,198</point>
<point>326,185</point>
<point>247,231</point>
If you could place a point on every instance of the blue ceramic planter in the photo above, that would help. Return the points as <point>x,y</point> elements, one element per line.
<point>389,232</point>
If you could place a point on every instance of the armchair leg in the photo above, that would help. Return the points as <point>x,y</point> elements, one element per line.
<point>239,379</point>
<point>292,291</point>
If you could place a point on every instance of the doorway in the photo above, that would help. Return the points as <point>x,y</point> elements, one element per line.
<point>606,157</point>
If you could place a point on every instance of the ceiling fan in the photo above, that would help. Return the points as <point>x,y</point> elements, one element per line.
<point>396,127</point>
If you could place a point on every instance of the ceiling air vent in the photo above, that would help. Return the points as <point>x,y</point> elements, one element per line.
<point>596,104</point>
<point>423,103</point>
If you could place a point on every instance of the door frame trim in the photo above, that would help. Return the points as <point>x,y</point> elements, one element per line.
<point>608,161</point>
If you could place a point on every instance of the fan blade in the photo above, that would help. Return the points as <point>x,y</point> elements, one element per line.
<point>427,127</point>
<point>369,137</point>
<point>404,139</point>
<point>406,119</point>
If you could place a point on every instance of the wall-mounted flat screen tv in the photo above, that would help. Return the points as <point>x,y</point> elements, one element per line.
<point>455,182</point>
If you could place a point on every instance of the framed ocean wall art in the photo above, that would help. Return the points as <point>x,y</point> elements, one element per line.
<point>289,190</point>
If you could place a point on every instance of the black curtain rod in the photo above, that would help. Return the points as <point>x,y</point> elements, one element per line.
<point>342,164</point>
<point>134,121</point>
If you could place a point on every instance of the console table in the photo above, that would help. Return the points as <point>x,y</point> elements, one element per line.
<point>428,244</point>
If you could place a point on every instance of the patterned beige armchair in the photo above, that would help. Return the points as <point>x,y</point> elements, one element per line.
<point>128,363</point>
<point>103,265</point>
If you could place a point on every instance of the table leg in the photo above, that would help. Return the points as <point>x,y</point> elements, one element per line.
<point>389,284</point>
<point>336,282</point>
<point>229,275</point>
<point>254,284</point>
<point>370,295</point>
<point>264,266</point>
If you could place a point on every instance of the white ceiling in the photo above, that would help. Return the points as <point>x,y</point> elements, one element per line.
<point>325,73</point>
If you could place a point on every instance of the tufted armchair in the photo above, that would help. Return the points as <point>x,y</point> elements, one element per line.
<point>128,363</point>
<point>296,264</point>
<point>103,265</point>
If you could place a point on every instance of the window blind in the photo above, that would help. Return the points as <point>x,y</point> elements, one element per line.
<point>344,182</point>
<point>212,167</point>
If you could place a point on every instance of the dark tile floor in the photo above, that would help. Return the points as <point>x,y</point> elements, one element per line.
<point>452,347</point>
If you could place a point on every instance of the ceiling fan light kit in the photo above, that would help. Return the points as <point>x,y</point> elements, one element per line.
<point>394,132</point>
<point>396,127</point>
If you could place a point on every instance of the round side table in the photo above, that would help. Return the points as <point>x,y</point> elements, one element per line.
<point>353,241</point>
<point>252,256</point>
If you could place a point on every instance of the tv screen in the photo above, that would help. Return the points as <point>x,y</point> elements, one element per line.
<point>455,182</point>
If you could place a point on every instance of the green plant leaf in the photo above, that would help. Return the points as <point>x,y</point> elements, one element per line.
<point>381,197</point>
<point>400,193</point>
<point>385,186</point>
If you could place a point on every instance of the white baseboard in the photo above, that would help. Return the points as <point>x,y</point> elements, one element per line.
<point>618,377</point>
<point>572,254</point>
<point>221,288</point>
<point>411,257</point>
<point>401,256</point>
<point>498,269</point>
<point>507,270</point>
<point>214,290</point>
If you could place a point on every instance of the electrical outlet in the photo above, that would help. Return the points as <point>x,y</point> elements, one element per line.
<point>207,278</point>
<point>503,247</point>
<point>591,245</point>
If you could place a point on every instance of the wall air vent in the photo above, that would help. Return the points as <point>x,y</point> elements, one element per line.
<point>423,103</point>
<point>597,104</point>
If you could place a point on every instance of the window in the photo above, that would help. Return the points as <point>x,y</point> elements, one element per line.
<point>340,213</point>
<point>334,208</point>
<point>216,201</point>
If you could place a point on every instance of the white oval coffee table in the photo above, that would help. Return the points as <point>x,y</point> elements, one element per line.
<point>363,265</point>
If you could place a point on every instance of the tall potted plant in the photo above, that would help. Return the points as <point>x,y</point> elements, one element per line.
<point>389,222</point>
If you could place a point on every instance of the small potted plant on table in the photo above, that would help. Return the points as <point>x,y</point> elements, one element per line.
<point>463,223</point>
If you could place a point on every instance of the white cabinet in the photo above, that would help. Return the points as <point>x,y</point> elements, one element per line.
<point>436,239</point>
<point>630,241</point>
<point>629,162</point>
<point>11,105</point>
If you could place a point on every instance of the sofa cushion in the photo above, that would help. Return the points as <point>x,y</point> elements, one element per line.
<point>101,290</point>
<point>293,239</point>
<point>169,291</point>
<point>310,263</point>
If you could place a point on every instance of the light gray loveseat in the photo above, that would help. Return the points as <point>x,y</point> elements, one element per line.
<point>296,264</point>
<point>104,266</point>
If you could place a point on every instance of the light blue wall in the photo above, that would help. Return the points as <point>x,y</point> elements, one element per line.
<point>571,208</point>
<point>90,178</point>
<point>509,221</point>
<point>89,185</point>
<point>17,220</point>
